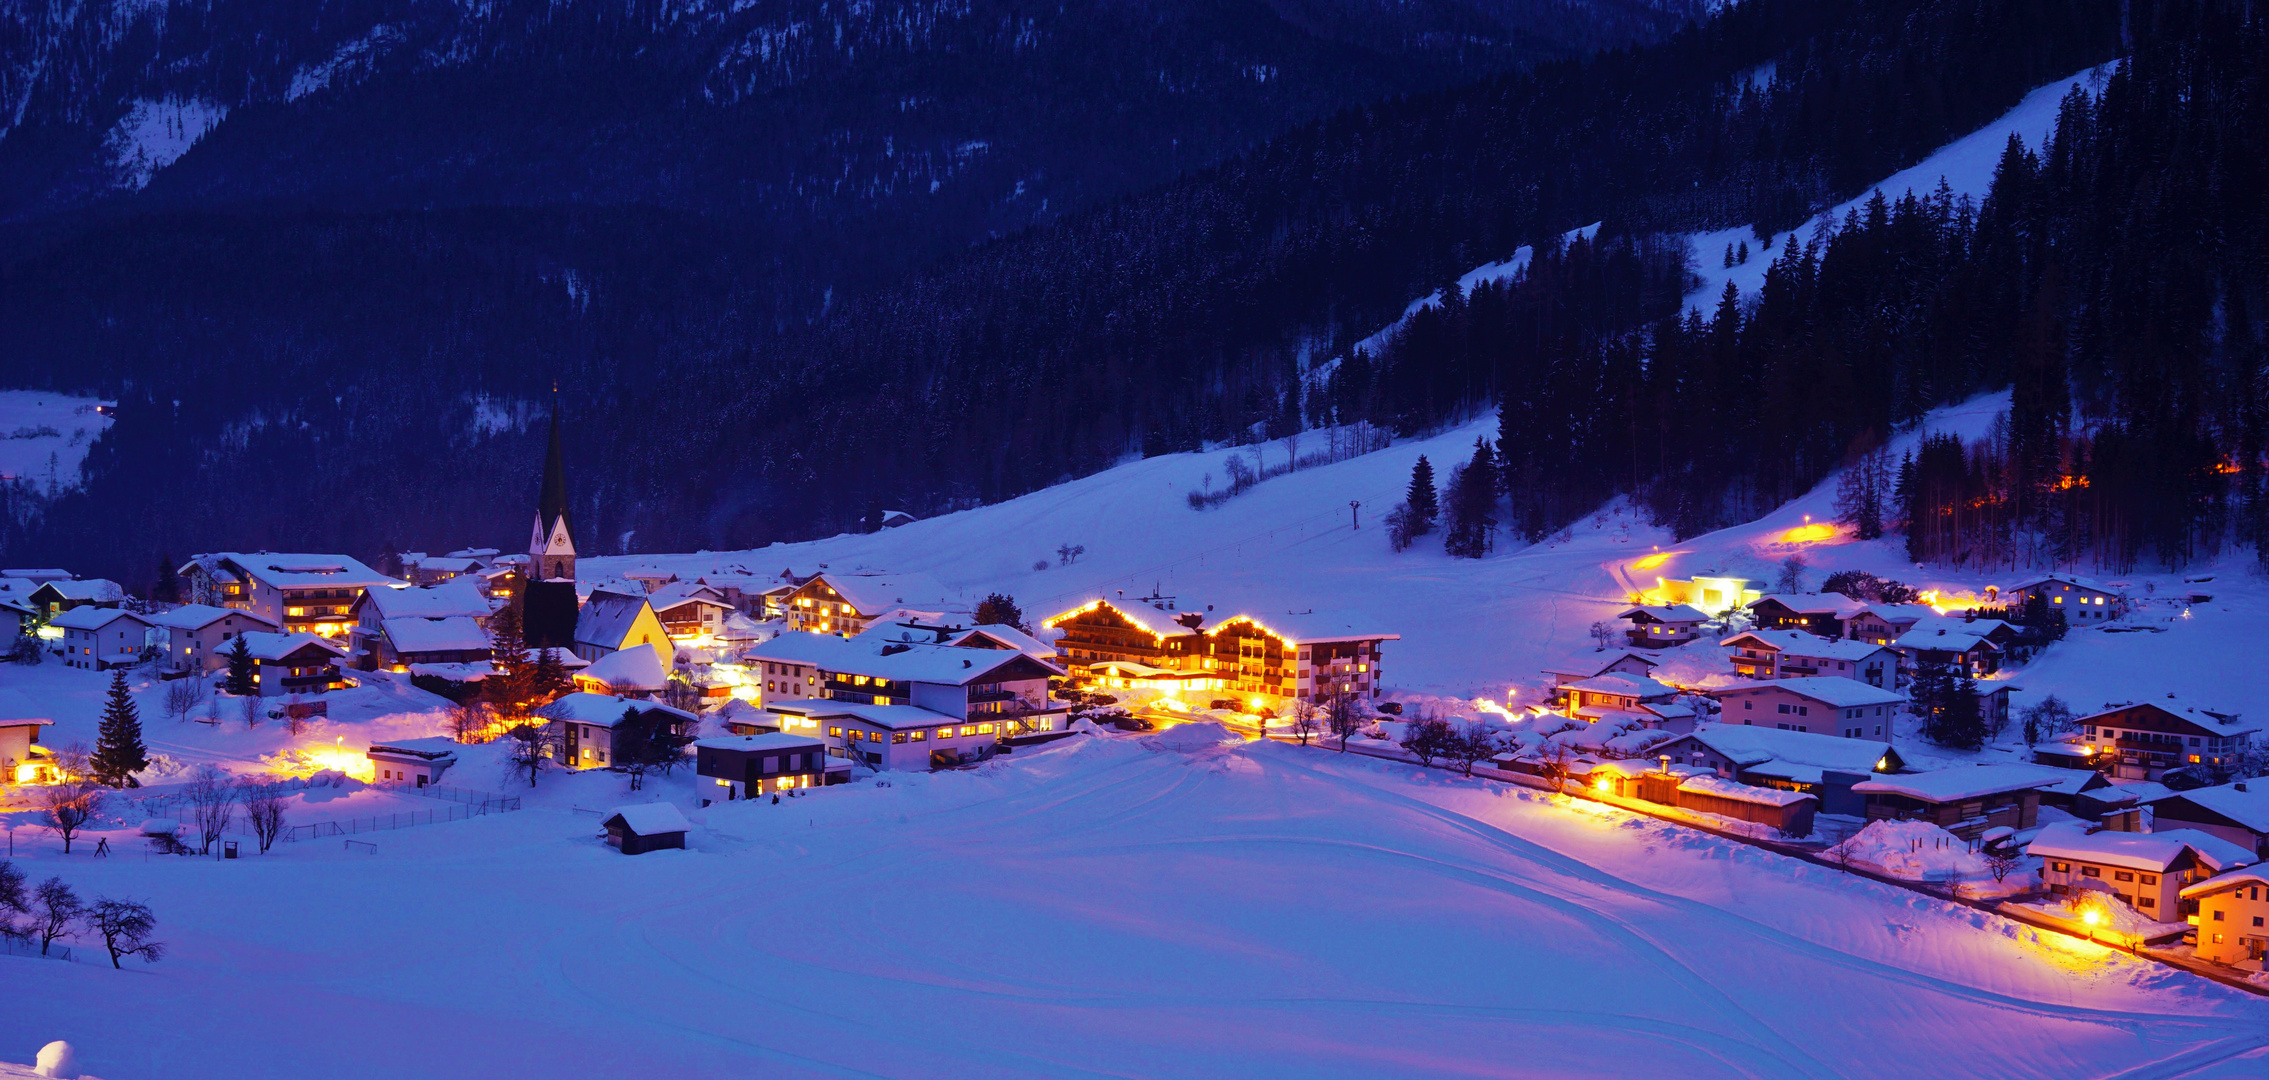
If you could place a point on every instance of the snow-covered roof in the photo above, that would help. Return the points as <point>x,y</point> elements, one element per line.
<point>1006,637</point>
<point>1835,604</point>
<point>2151,851</point>
<point>466,672</point>
<point>881,592</point>
<point>1800,643</point>
<point>949,664</point>
<point>1707,784</point>
<point>2249,807</point>
<point>93,618</point>
<point>909,625</point>
<point>454,634</point>
<point>2074,580</point>
<point>890,717</point>
<point>277,646</point>
<point>650,819</point>
<point>638,667</point>
<point>448,565</point>
<point>288,570</point>
<point>90,590</point>
<point>1947,639</point>
<point>607,617</point>
<point>1632,686</point>
<point>681,593</point>
<point>473,553</point>
<point>1669,613</point>
<point>1896,613</point>
<point>17,709</point>
<point>1834,691</point>
<point>600,710</point>
<point>1749,746</point>
<point>758,743</point>
<point>1311,627</point>
<point>457,596</point>
<point>1963,782</point>
<point>38,574</point>
<point>1590,664</point>
<point>200,616</point>
<point>428,749</point>
<point>2251,875</point>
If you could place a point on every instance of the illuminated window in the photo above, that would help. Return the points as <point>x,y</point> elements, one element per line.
<point>835,733</point>
<point>967,730</point>
<point>918,735</point>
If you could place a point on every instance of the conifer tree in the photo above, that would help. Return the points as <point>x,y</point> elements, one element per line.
<point>548,679</point>
<point>509,688</point>
<point>1423,504</point>
<point>239,678</point>
<point>119,752</point>
<point>1472,527</point>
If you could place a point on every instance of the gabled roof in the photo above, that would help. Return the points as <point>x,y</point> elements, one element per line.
<point>91,590</point>
<point>456,633</point>
<point>1834,691</point>
<point>1623,686</point>
<point>1896,613</point>
<point>2151,851</point>
<point>1669,613</point>
<point>946,664</point>
<point>1964,782</point>
<point>2249,808</point>
<point>2074,580</point>
<point>1006,637</point>
<point>200,616</point>
<point>1946,639</point>
<point>649,819</point>
<point>638,667</point>
<point>93,618</point>
<point>601,710</point>
<point>2207,720</point>
<point>1833,604</point>
<point>891,717</point>
<point>457,596</point>
<point>908,625</point>
<point>881,592</point>
<point>1748,746</point>
<point>1800,643</point>
<point>1588,665</point>
<point>606,618</point>
<point>280,646</point>
<point>428,749</point>
<point>2251,875</point>
<point>17,709</point>
<point>681,593</point>
<point>1311,627</point>
<point>288,570</point>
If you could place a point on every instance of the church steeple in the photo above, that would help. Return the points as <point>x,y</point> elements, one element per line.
<point>551,547</point>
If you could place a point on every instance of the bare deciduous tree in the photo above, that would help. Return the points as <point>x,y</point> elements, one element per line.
<point>264,812</point>
<point>1305,721</point>
<point>249,707</point>
<point>2002,861</point>
<point>66,807</point>
<point>54,909</point>
<point>182,696</point>
<point>1430,740</point>
<point>532,749</point>
<point>125,928</point>
<point>1555,766</point>
<point>1469,746</point>
<point>15,901</point>
<point>472,721</point>
<point>212,802</point>
<point>1341,718</point>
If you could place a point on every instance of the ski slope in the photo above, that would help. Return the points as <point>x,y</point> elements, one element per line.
<point>1122,907</point>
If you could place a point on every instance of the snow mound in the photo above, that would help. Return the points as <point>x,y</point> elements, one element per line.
<point>1915,850</point>
<point>1192,737</point>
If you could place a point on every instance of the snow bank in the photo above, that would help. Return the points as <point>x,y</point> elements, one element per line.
<point>1192,737</point>
<point>1912,850</point>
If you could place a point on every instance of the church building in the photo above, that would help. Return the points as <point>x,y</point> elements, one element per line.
<point>549,606</point>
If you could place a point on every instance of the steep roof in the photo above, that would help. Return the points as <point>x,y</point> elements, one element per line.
<point>1835,604</point>
<point>1897,613</point>
<point>1964,782</point>
<point>606,618</point>
<point>91,590</point>
<point>1006,637</point>
<point>200,616</point>
<point>1800,643</point>
<point>947,664</point>
<point>2073,580</point>
<point>551,496</point>
<point>1834,691</point>
<point>638,667</point>
<point>680,593</point>
<point>93,618</point>
<point>1623,686</point>
<point>1669,613</point>
<point>1590,664</point>
<point>2151,851</point>
<point>278,646</point>
<point>457,596</point>
<point>456,633</point>
<point>1750,746</point>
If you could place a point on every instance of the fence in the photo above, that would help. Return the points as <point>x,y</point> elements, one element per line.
<point>19,947</point>
<point>488,799</point>
<point>163,806</point>
<point>388,822</point>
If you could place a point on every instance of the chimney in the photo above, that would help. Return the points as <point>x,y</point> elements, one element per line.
<point>2241,785</point>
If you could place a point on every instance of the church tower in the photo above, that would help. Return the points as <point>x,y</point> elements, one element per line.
<point>551,547</point>
<point>549,606</point>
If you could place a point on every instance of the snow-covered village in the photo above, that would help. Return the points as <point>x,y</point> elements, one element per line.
<point>1669,538</point>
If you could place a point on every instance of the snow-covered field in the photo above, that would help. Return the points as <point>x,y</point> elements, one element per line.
<point>1107,907</point>
<point>44,437</point>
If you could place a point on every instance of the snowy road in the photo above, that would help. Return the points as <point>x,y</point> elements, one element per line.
<point>1102,909</point>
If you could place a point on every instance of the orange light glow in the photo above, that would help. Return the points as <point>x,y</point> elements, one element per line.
<point>1603,784</point>
<point>1652,561</point>
<point>1807,534</point>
